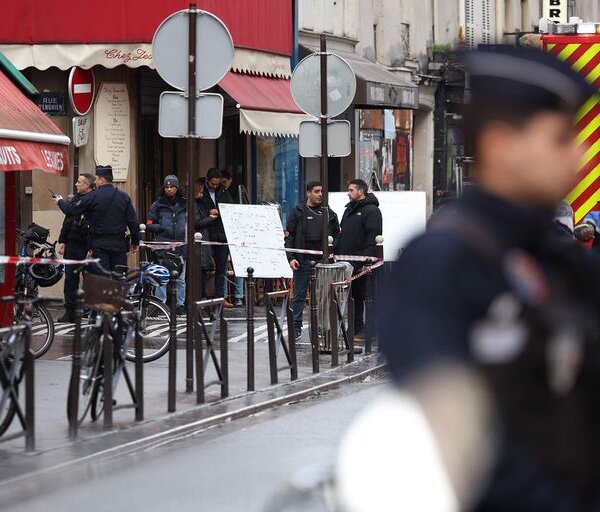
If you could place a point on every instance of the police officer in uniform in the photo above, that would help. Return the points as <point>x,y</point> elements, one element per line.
<point>497,290</point>
<point>74,244</point>
<point>110,214</point>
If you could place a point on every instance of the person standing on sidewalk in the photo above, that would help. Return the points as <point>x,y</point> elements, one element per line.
<point>74,245</point>
<point>214,195</point>
<point>361,224</point>
<point>238,281</point>
<point>110,214</point>
<point>166,219</point>
<point>304,230</point>
<point>203,221</point>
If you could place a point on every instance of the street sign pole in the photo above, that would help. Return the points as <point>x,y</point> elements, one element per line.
<point>324,159</point>
<point>192,273</point>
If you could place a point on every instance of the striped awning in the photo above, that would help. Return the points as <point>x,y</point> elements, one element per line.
<point>583,54</point>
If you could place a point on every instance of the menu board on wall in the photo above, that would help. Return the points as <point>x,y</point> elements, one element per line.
<point>112,130</point>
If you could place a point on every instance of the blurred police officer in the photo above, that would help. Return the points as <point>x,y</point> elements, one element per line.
<point>361,224</point>
<point>74,244</point>
<point>110,214</point>
<point>304,230</point>
<point>497,289</point>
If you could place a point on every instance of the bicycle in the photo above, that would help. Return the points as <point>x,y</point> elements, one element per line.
<point>154,315</point>
<point>28,278</point>
<point>115,319</point>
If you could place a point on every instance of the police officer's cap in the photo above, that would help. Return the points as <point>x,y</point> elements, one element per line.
<point>523,78</point>
<point>104,171</point>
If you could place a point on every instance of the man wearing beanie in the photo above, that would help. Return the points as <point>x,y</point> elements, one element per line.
<point>167,221</point>
<point>110,214</point>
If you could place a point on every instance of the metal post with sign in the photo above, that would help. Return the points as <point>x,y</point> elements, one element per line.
<point>323,85</point>
<point>192,51</point>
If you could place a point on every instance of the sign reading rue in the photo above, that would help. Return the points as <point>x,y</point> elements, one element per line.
<point>51,103</point>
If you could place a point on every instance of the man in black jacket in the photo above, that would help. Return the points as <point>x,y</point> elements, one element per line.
<point>111,214</point>
<point>74,244</point>
<point>214,195</point>
<point>361,224</point>
<point>304,231</point>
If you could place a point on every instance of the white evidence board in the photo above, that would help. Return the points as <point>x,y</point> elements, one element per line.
<point>404,217</point>
<point>257,240</point>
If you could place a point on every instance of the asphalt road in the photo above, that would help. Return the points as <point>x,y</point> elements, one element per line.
<point>235,467</point>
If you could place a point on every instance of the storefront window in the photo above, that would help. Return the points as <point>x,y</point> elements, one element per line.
<point>277,172</point>
<point>385,148</point>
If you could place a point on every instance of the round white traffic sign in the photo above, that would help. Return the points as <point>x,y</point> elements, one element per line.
<point>306,85</point>
<point>214,50</point>
<point>81,90</point>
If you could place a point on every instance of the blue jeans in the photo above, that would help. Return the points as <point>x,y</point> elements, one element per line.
<point>161,292</point>
<point>301,281</point>
<point>238,284</point>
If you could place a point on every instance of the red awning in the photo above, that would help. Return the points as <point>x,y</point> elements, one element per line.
<point>264,25</point>
<point>266,104</point>
<point>28,139</point>
<point>260,93</point>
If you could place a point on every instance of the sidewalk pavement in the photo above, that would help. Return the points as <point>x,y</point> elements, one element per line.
<point>52,373</point>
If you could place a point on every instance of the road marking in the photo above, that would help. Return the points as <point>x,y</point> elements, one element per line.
<point>245,335</point>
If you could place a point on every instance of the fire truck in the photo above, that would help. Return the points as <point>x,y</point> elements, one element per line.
<point>578,44</point>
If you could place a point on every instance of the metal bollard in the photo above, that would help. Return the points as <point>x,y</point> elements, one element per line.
<point>368,309</point>
<point>139,372</point>
<point>333,326</point>
<point>250,288</point>
<point>350,327</point>
<point>224,356</point>
<point>271,338</point>
<point>28,363</point>
<point>107,380</point>
<point>314,320</point>
<point>73,407</point>
<point>143,249</point>
<point>172,297</point>
<point>292,342</point>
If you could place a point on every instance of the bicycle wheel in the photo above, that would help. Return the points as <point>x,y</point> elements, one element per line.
<point>154,327</point>
<point>90,375</point>
<point>42,328</point>
<point>97,401</point>
<point>7,413</point>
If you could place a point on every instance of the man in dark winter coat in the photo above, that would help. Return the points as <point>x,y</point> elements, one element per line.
<point>214,195</point>
<point>74,245</point>
<point>361,224</point>
<point>167,221</point>
<point>304,231</point>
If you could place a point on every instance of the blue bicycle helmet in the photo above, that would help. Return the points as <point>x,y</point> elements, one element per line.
<point>158,272</point>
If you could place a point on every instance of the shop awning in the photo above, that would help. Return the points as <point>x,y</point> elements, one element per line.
<point>28,139</point>
<point>377,86</point>
<point>265,104</point>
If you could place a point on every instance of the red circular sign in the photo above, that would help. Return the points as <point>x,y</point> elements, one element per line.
<point>81,90</point>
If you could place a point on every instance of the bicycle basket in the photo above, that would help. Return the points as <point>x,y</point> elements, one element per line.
<point>37,233</point>
<point>105,294</point>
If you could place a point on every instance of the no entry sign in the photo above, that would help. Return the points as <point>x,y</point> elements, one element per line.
<point>81,90</point>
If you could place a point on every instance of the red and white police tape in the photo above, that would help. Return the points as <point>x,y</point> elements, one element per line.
<point>337,257</point>
<point>27,259</point>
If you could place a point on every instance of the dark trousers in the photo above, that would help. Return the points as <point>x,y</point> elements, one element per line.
<point>73,251</point>
<point>111,251</point>
<point>359,291</point>
<point>220,254</point>
<point>301,281</point>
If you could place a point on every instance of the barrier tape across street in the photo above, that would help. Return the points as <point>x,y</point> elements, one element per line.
<point>27,259</point>
<point>337,257</point>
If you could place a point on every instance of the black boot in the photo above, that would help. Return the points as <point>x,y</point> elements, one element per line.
<point>68,317</point>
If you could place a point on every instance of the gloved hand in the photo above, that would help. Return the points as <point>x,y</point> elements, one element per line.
<point>56,198</point>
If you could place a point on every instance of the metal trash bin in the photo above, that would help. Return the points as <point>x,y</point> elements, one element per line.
<point>328,273</point>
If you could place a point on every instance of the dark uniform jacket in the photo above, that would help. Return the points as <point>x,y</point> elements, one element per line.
<point>436,305</point>
<point>75,228</point>
<point>361,224</point>
<point>109,211</point>
<point>304,230</point>
<point>215,229</point>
